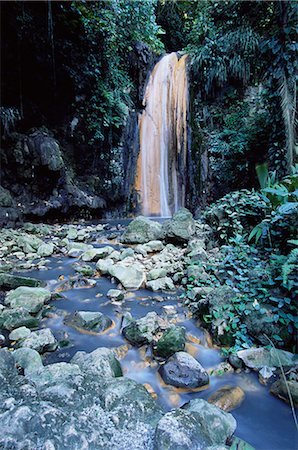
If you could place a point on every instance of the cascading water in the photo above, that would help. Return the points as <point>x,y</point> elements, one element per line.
<point>163,138</point>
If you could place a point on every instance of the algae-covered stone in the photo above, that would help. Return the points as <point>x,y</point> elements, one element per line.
<point>218,425</point>
<point>101,362</point>
<point>41,341</point>
<point>45,249</point>
<point>172,341</point>
<point>27,359</point>
<point>8,281</point>
<point>181,227</point>
<point>93,321</point>
<point>29,298</point>
<point>227,398</point>
<point>183,370</point>
<point>17,317</point>
<point>142,331</point>
<point>142,230</point>
<point>129,277</point>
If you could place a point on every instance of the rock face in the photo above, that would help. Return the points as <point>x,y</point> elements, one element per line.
<point>142,230</point>
<point>129,277</point>
<point>93,321</point>
<point>227,398</point>
<point>182,370</point>
<point>180,228</point>
<point>30,298</point>
<point>142,331</point>
<point>172,341</point>
<point>101,362</point>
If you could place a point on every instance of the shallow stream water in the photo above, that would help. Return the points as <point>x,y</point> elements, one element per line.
<point>263,420</point>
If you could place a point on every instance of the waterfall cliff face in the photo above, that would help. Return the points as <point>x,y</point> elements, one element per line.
<point>160,178</point>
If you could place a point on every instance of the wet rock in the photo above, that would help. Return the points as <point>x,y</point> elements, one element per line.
<point>85,269</point>
<point>27,359</point>
<point>19,333</point>
<point>218,425</point>
<point>2,339</point>
<point>142,230</point>
<point>235,361</point>
<point>222,369</point>
<point>76,249</point>
<point>45,250</point>
<point>95,254</point>
<point>280,390</point>
<point>104,265</point>
<point>172,341</point>
<point>256,358</point>
<point>30,298</point>
<point>153,246</point>
<point>154,274</point>
<point>8,281</point>
<point>227,398</point>
<point>41,341</point>
<point>142,331</point>
<point>161,284</point>
<point>182,370</point>
<point>28,243</point>
<point>180,228</point>
<point>180,430</point>
<point>93,321</point>
<point>115,294</point>
<point>101,362</point>
<point>129,277</point>
<point>72,234</point>
<point>17,317</point>
<point>239,444</point>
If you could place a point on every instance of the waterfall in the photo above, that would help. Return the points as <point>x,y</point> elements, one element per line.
<point>163,138</point>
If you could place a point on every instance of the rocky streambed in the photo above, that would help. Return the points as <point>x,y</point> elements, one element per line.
<point>98,350</point>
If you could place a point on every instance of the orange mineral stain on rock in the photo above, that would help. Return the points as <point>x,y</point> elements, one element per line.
<point>163,138</point>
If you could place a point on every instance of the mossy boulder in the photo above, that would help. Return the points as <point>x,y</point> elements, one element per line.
<point>172,341</point>
<point>93,321</point>
<point>30,298</point>
<point>181,228</point>
<point>101,362</point>
<point>142,230</point>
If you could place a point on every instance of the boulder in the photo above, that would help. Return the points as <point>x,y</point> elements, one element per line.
<point>84,270</point>
<point>17,317</point>
<point>161,284</point>
<point>180,430</point>
<point>101,362</point>
<point>45,249</point>
<point>8,281</point>
<point>28,243</point>
<point>30,298</point>
<point>227,398</point>
<point>129,277</point>
<point>239,444</point>
<point>172,341</point>
<point>180,228</point>
<point>280,390</point>
<point>57,378</point>
<point>93,321</point>
<point>19,333</point>
<point>142,331</point>
<point>126,253</point>
<point>218,425</point>
<point>142,230</point>
<point>182,370</point>
<point>41,341</point>
<point>27,359</point>
<point>154,274</point>
<point>104,265</point>
<point>256,358</point>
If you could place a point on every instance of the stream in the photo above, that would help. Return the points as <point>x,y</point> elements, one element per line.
<point>263,421</point>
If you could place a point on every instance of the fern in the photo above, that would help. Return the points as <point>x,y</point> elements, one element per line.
<point>289,268</point>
